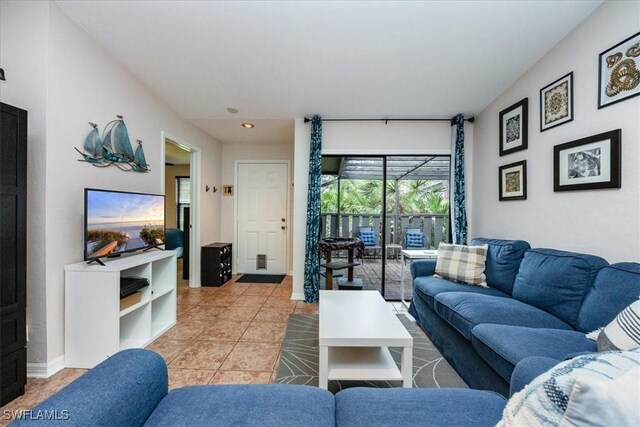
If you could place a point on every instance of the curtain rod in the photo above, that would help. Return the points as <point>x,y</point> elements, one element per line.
<point>470,120</point>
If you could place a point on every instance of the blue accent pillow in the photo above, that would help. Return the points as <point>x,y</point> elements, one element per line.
<point>415,240</point>
<point>368,238</point>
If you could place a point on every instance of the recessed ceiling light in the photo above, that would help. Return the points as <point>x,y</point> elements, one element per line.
<point>247,125</point>
<point>232,110</point>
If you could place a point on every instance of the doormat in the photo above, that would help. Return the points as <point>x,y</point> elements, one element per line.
<point>298,362</point>
<point>261,278</point>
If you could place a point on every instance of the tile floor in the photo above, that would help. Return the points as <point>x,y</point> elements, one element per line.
<point>227,335</point>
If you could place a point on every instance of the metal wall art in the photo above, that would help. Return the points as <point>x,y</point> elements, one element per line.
<point>619,72</point>
<point>113,148</point>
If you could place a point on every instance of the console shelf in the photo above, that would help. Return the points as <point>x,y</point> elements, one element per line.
<point>95,327</point>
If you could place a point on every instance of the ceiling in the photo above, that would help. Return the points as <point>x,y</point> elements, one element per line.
<point>175,154</point>
<point>281,60</point>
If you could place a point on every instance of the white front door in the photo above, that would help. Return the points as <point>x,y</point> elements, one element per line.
<point>262,218</point>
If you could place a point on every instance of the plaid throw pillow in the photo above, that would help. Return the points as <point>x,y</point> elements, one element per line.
<point>368,238</point>
<point>415,240</point>
<point>462,263</point>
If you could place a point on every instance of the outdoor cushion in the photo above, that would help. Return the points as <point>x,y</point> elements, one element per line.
<point>464,310</point>
<point>418,407</point>
<point>616,286</point>
<point>415,240</point>
<point>246,405</point>
<point>504,346</point>
<point>368,238</point>
<point>428,287</point>
<point>503,261</point>
<point>556,281</point>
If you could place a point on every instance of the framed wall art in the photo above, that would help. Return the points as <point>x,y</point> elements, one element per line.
<point>556,103</point>
<point>588,163</point>
<point>513,181</point>
<point>619,72</point>
<point>514,127</point>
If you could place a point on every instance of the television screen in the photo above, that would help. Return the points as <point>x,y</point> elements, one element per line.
<point>117,222</point>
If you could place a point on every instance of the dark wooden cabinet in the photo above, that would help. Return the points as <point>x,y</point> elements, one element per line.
<point>216,260</point>
<point>13,252</point>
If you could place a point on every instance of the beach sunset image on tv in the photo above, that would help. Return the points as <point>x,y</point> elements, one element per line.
<point>122,222</point>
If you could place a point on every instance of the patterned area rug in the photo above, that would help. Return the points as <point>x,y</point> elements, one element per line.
<point>299,360</point>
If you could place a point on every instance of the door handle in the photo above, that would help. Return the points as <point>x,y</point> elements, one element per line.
<point>282,219</point>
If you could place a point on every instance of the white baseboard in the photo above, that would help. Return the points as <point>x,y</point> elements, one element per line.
<point>290,273</point>
<point>45,370</point>
<point>298,296</point>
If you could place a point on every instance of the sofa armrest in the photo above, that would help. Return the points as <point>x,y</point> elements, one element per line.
<point>423,267</point>
<point>121,391</point>
<point>528,369</point>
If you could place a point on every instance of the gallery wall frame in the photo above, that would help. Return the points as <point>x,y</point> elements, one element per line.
<point>589,163</point>
<point>556,103</point>
<point>619,72</point>
<point>514,127</point>
<point>512,181</point>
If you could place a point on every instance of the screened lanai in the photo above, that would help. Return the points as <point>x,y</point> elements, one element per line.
<point>415,200</point>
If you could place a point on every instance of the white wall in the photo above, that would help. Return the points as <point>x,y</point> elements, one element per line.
<point>363,138</point>
<point>259,152</point>
<point>601,222</point>
<point>23,56</point>
<point>78,82</point>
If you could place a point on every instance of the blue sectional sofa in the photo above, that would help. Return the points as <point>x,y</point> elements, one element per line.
<point>131,389</point>
<point>540,302</point>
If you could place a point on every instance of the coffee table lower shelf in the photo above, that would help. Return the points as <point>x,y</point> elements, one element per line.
<point>362,363</point>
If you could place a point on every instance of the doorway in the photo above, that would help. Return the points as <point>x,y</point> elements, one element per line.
<point>182,218</point>
<point>262,217</point>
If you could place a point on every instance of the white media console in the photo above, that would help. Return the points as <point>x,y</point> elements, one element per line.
<point>95,327</point>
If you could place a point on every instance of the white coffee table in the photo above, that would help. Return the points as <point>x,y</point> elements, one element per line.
<point>356,327</point>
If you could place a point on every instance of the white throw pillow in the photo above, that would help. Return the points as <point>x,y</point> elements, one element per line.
<point>462,263</point>
<point>623,333</point>
<point>604,403</point>
<point>544,401</point>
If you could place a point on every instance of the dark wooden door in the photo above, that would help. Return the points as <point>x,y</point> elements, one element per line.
<point>13,252</point>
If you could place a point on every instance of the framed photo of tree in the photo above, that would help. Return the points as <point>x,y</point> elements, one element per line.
<point>513,181</point>
<point>514,127</point>
<point>589,163</point>
<point>556,103</point>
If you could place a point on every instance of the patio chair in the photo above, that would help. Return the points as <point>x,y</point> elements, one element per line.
<point>370,240</point>
<point>413,238</point>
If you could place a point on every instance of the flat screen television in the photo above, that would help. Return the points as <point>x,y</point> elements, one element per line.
<point>117,222</point>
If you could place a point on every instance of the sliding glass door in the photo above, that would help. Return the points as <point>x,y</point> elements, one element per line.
<point>391,203</point>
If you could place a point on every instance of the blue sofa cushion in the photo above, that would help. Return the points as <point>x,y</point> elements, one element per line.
<point>556,281</point>
<point>464,310</point>
<point>504,346</point>
<point>528,369</point>
<point>616,287</point>
<point>246,405</point>
<point>121,391</point>
<point>428,287</point>
<point>503,261</point>
<point>418,407</point>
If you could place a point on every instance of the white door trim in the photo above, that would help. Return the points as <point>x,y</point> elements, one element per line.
<point>235,208</point>
<point>195,177</point>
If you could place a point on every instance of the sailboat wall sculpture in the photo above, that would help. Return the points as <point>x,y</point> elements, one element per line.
<point>114,148</point>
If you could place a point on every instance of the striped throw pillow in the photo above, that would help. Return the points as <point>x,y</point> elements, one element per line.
<point>368,238</point>
<point>623,333</point>
<point>462,263</point>
<point>415,240</point>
